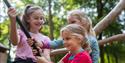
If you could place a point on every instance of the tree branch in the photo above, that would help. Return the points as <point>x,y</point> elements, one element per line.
<point>118,37</point>
<point>110,17</point>
<point>58,51</point>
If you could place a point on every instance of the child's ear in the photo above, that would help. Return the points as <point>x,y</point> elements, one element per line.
<point>80,39</point>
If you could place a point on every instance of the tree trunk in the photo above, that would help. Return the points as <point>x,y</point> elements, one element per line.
<point>3,57</point>
<point>0,31</point>
<point>110,17</point>
<point>108,55</point>
<point>100,14</point>
<point>51,27</point>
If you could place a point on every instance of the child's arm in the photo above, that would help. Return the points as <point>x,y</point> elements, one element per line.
<point>56,43</point>
<point>49,45</point>
<point>13,30</point>
<point>46,53</point>
<point>52,44</point>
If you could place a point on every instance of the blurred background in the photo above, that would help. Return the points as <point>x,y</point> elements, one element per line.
<point>56,13</point>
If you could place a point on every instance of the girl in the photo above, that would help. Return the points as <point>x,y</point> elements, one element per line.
<point>80,18</point>
<point>74,38</point>
<point>33,19</point>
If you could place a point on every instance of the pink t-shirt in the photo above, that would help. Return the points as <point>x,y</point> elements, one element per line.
<point>23,50</point>
<point>82,57</point>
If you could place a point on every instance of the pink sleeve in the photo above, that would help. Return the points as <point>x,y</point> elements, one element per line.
<point>46,52</point>
<point>46,42</point>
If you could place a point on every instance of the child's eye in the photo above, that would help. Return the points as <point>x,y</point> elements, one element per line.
<point>41,18</point>
<point>67,38</point>
<point>73,22</point>
<point>36,18</point>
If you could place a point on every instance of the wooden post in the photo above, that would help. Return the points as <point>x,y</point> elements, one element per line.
<point>3,57</point>
<point>3,54</point>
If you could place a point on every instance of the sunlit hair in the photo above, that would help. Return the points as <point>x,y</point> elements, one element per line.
<point>74,28</point>
<point>82,17</point>
<point>27,12</point>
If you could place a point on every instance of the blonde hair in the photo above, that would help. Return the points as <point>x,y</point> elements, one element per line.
<point>83,17</point>
<point>74,28</point>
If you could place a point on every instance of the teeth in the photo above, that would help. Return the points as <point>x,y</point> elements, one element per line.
<point>38,24</point>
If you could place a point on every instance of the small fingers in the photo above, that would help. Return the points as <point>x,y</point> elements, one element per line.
<point>30,41</point>
<point>12,12</point>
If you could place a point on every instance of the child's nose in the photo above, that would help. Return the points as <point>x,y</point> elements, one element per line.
<point>64,42</point>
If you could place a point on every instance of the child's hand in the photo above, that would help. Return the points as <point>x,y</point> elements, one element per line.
<point>42,60</point>
<point>39,44</point>
<point>12,12</point>
<point>30,41</point>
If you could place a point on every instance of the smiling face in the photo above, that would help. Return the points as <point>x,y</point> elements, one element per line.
<point>72,41</point>
<point>78,20</point>
<point>36,20</point>
<point>73,20</point>
<point>74,37</point>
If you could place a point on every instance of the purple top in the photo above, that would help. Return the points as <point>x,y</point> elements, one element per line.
<point>23,49</point>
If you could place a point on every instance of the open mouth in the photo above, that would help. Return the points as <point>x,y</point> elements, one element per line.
<point>38,24</point>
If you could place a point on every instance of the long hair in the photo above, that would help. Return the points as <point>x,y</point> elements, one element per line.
<point>27,12</point>
<point>83,17</point>
<point>75,28</point>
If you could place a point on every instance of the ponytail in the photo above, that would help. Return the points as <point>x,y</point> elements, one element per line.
<point>25,17</point>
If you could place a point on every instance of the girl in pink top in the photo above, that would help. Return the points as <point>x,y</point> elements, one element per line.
<point>33,19</point>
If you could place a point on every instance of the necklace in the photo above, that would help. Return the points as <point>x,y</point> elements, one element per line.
<point>71,57</point>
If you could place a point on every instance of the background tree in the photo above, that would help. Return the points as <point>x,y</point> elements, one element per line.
<point>56,12</point>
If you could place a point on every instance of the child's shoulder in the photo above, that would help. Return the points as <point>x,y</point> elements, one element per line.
<point>92,38</point>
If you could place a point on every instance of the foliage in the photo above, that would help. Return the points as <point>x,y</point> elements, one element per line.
<point>59,12</point>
